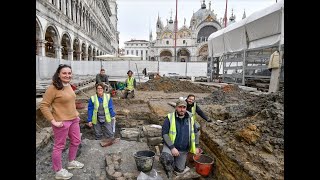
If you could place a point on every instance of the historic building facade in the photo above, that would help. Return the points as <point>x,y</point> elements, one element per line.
<point>137,47</point>
<point>191,42</point>
<point>76,29</point>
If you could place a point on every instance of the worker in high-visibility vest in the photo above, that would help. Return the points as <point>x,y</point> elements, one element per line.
<point>180,136</point>
<point>130,85</point>
<point>101,114</point>
<point>194,108</point>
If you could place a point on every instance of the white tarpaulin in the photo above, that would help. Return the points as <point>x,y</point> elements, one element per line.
<point>268,41</point>
<point>215,42</point>
<point>264,25</point>
<point>262,28</point>
<point>235,37</point>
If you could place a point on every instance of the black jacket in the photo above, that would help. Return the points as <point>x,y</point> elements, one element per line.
<point>198,111</point>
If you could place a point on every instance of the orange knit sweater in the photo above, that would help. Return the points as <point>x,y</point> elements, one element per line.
<point>59,104</point>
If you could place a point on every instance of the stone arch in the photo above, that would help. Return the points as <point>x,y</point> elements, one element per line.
<point>183,55</point>
<point>76,49</point>
<point>52,42</point>
<point>203,52</point>
<point>39,30</point>
<point>205,32</point>
<point>65,45</point>
<point>39,38</point>
<point>166,55</point>
<point>84,51</point>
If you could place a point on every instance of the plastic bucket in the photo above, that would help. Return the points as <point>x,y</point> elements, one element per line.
<point>144,160</point>
<point>190,156</point>
<point>203,164</point>
<point>79,105</point>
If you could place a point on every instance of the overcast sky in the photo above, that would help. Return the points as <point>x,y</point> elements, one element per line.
<point>136,18</point>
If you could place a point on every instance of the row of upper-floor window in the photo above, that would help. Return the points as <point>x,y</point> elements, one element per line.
<point>136,44</point>
<point>74,16</point>
<point>137,52</point>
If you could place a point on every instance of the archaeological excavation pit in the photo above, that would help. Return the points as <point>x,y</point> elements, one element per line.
<point>245,140</point>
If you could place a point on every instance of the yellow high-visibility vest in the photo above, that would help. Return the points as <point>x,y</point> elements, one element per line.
<point>193,111</point>
<point>95,101</point>
<point>130,83</point>
<point>173,132</point>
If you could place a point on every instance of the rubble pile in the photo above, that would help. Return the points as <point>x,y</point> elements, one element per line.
<point>168,85</point>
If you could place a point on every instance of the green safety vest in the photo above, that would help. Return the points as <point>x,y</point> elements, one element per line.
<point>95,101</point>
<point>173,132</point>
<point>130,83</point>
<point>193,111</point>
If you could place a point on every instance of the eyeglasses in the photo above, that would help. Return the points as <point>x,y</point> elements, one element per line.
<point>64,65</point>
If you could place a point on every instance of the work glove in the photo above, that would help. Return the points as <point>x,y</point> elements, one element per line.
<point>113,118</point>
<point>209,120</point>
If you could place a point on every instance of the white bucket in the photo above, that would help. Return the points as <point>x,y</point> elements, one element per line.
<point>192,78</point>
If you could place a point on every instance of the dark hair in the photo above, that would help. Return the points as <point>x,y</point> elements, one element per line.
<point>56,81</point>
<point>129,71</point>
<point>191,95</point>
<point>100,84</point>
<point>102,70</point>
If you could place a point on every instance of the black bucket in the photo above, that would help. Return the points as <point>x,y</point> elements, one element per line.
<point>144,160</point>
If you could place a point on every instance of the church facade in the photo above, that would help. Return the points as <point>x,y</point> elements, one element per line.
<point>191,42</point>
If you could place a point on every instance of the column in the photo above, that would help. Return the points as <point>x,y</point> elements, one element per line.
<point>90,53</point>
<point>85,57</point>
<point>78,15</point>
<point>78,55</point>
<point>85,21</point>
<point>69,9</point>
<point>63,6</point>
<point>56,3</point>
<point>57,49</point>
<point>70,54</point>
<point>41,47</point>
<point>73,10</point>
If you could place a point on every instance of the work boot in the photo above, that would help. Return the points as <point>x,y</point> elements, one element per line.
<point>167,161</point>
<point>178,172</point>
<point>170,175</point>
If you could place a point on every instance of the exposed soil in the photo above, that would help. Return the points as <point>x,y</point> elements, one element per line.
<point>247,142</point>
<point>172,85</point>
<point>252,129</point>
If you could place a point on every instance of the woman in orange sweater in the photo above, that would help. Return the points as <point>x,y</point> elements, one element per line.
<point>58,107</point>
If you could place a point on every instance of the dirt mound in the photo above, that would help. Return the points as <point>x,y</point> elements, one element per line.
<point>172,85</point>
<point>254,127</point>
<point>227,94</point>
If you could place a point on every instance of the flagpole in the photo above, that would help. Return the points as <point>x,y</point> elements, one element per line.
<point>225,15</point>
<point>175,33</point>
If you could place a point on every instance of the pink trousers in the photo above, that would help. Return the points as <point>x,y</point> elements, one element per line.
<point>72,129</point>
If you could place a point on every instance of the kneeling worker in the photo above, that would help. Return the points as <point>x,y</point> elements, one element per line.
<point>180,136</point>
